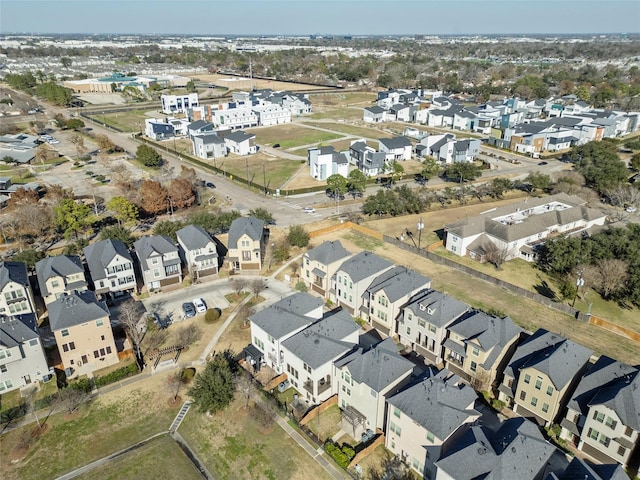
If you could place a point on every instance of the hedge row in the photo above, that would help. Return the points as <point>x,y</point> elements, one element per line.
<point>342,455</point>
<point>116,375</point>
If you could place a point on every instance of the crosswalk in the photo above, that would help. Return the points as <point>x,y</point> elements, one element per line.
<point>180,416</point>
<point>295,206</point>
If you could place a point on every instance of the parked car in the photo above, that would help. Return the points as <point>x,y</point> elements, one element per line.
<point>155,318</point>
<point>284,386</point>
<point>188,309</point>
<point>309,210</point>
<point>630,209</point>
<point>276,145</point>
<point>210,185</point>
<point>542,163</point>
<point>201,307</point>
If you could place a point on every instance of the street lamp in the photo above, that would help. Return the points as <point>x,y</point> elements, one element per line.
<point>170,205</point>
<point>579,283</point>
<point>420,227</point>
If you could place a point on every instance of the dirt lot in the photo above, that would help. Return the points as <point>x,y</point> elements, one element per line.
<point>257,83</point>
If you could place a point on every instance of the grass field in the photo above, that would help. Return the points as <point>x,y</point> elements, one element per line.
<point>233,447</point>
<point>345,113</point>
<point>276,170</point>
<point>326,424</point>
<point>342,98</point>
<point>160,458</point>
<point>351,130</point>
<point>291,136</point>
<point>130,121</point>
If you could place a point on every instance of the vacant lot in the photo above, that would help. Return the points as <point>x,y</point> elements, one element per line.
<point>233,447</point>
<point>130,121</point>
<point>257,83</point>
<point>341,113</point>
<point>275,170</point>
<point>161,458</point>
<point>342,99</point>
<point>350,129</point>
<point>290,136</point>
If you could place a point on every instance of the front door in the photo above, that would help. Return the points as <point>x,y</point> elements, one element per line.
<point>27,379</point>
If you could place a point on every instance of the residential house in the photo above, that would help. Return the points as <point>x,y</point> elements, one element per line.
<point>466,150</point>
<point>426,317</point>
<point>158,128</point>
<point>396,148</point>
<point>110,267</point>
<point>239,142</point>
<point>367,159</point>
<point>209,145</point>
<point>517,450</point>
<point>374,114</point>
<point>383,299</point>
<point>278,322</point>
<point>579,469</point>
<point>80,324</point>
<point>272,114</point>
<point>16,296</point>
<point>310,353</point>
<point>401,112</point>
<point>542,375</point>
<point>22,359</point>
<point>234,118</point>
<point>320,264</point>
<point>247,241</point>
<point>515,230</point>
<point>325,161</point>
<point>178,103</point>
<point>296,103</point>
<point>426,417</point>
<point>60,275</point>
<point>479,346</point>
<point>354,276</point>
<point>603,415</point>
<point>198,128</point>
<point>387,99</point>
<point>159,261</point>
<point>199,251</point>
<point>364,380</point>
<point>20,147</point>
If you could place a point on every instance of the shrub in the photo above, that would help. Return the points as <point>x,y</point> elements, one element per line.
<point>82,384</point>
<point>116,375</point>
<point>188,374</point>
<point>301,287</point>
<point>342,455</point>
<point>497,404</point>
<point>212,315</point>
<point>360,321</point>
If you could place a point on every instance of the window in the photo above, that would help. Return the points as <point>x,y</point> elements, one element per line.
<point>64,333</point>
<point>65,347</point>
<point>545,407</point>
<point>628,431</point>
<point>538,383</point>
<point>99,323</point>
<point>604,440</point>
<point>611,423</point>
<point>534,401</point>
<point>421,322</point>
<point>408,330</point>
<point>373,393</point>
<point>473,366</point>
<point>410,317</point>
<point>593,434</point>
<point>347,378</point>
<point>432,328</point>
<point>598,417</point>
<point>621,451</point>
<point>527,379</point>
<point>258,343</point>
<point>271,339</point>
<point>108,350</point>
<point>430,437</point>
<point>33,342</point>
<point>96,354</point>
<point>474,351</point>
<point>3,368</point>
<point>55,284</point>
<point>523,395</point>
<point>396,412</point>
<point>549,390</point>
<point>306,367</point>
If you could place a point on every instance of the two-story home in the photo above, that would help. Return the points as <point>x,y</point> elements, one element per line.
<point>367,159</point>
<point>479,347</point>
<point>239,142</point>
<point>383,299</point>
<point>603,415</point>
<point>16,297</point>
<point>427,416</point>
<point>396,148</point>
<point>354,276</point>
<point>247,240</point>
<point>80,324</point>
<point>22,359</point>
<point>311,352</point>
<point>426,317</point>
<point>374,114</point>
<point>325,161</point>
<point>209,146</point>
<point>579,469</point>
<point>199,251</point>
<point>110,267</point>
<point>517,450</point>
<point>159,261</point>
<point>198,128</point>
<point>542,375</point>
<point>178,103</point>
<point>364,380</point>
<point>60,275</point>
<point>320,264</point>
<point>273,325</point>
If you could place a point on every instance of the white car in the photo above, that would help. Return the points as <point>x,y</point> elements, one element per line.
<point>200,305</point>
<point>309,210</point>
<point>631,209</point>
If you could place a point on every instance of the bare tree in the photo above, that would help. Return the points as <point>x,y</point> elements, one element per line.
<point>295,268</point>
<point>496,255</point>
<point>238,284</point>
<point>188,334</point>
<point>30,400</point>
<point>78,142</point>
<point>244,385</point>
<point>174,381</point>
<point>70,398</point>
<point>244,313</point>
<point>613,275</point>
<point>263,414</point>
<point>258,285</point>
<point>157,339</point>
<point>129,314</point>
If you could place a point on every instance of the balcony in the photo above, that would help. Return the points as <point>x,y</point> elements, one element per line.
<point>273,357</point>
<point>455,360</point>
<point>322,386</point>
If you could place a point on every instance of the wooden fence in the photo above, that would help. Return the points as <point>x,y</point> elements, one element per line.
<point>314,412</point>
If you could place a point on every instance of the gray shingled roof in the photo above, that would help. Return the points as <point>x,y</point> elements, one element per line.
<point>210,138</point>
<point>579,469</point>
<point>328,252</point>
<point>377,367</point>
<point>395,142</point>
<point>239,136</point>
<point>623,397</point>
<point>560,359</point>
<point>145,246</point>
<point>13,272</point>
<point>516,451</point>
<point>436,307</point>
<point>57,266</point>
<point>194,237</point>
<point>376,110</point>
<point>252,226</point>
<point>398,282</point>
<point>287,315</point>
<point>98,255</point>
<point>438,404</point>
<point>363,265</point>
<point>324,340</point>
<point>17,329</point>
<point>198,124</point>
<point>75,309</point>
<point>492,333</point>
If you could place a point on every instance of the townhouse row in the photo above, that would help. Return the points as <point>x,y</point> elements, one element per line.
<point>74,294</point>
<point>543,376</point>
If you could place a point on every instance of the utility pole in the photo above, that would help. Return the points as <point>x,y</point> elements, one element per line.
<point>420,227</point>
<point>264,178</point>
<point>247,163</point>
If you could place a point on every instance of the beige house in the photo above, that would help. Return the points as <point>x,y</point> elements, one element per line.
<point>60,275</point>
<point>16,297</point>
<point>320,264</point>
<point>80,324</point>
<point>247,241</point>
<point>542,376</point>
<point>479,346</point>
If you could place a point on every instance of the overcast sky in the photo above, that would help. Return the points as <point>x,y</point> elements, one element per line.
<point>292,17</point>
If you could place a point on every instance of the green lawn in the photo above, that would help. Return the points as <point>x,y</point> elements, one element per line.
<point>99,428</point>
<point>350,129</point>
<point>161,458</point>
<point>290,136</point>
<point>346,98</point>
<point>345,113</point>
<point>129,121</point>
<point>276,170</point>
<point>233,447</point>
<point>327,424</point>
